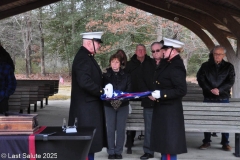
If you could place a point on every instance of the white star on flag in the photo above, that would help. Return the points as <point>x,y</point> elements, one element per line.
<point>115,94</point>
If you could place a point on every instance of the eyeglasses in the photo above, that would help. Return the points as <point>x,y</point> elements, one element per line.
<point>157,50</point>
<point>218,54</point>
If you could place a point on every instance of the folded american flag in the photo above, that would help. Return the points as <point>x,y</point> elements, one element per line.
<point>119,95</point>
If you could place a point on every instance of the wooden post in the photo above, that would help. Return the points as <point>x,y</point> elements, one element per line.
<point>237,144</point>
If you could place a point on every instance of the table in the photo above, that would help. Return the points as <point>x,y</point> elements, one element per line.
<point>51,144</point>
<point>63,146</point>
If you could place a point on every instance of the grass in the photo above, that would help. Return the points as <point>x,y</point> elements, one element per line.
<point>59,97</point>
<point>63,93</point>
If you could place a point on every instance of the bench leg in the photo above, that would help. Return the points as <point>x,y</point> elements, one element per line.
<point>237,144</point>
<point>46,100</point>
<point>141,135</point>
<point>42,104</point>
<point>29,109</point>
<point>35,107</point>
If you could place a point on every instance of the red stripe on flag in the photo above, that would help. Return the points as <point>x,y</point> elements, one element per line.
<point>31,142</point>
<point>168,157</point>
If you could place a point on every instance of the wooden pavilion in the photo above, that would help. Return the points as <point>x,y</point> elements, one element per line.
<point>221,18</point>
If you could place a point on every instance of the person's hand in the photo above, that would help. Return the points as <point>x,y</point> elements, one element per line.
<point>156,94</point>
<point>215,91</point>
<point>152,98</point>
<point>108,90</point>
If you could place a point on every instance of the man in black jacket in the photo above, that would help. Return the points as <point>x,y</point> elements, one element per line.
<point>8,81</point>
<point>146,84</point>
<point>216,77</point>
<point>133,67</point>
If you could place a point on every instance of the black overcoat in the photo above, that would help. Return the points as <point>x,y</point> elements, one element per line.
<point>120,80</point>
<point>85,104</point>
<point>146,79</point>
<point>133,67</point>
<point>212,75</point>
<point>168,130</point>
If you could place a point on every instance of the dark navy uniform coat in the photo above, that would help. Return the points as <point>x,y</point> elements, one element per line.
<point>86,104</point>
<point>168,131</point>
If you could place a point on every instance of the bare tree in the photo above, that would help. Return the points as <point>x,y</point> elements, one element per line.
<point>43,73</point>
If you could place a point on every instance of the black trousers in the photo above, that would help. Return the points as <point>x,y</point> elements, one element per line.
<point>4,105</point>
<point>130,138</point>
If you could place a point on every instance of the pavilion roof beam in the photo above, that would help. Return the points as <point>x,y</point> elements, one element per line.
<point>213,10</point>
<point>235,3</point>
<point>5,2</point>
<point>166,6</point>
<point>183,21</point>
<point>27,7</point>
<point>194,16</point>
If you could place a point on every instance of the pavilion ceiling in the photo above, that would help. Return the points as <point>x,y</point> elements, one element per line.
<point>221,18</point>
<point>12,7</point>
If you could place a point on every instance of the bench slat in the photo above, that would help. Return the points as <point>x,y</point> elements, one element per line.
<point>211,113</point>
<point>217,108</point>
<point>135,121</point>
<point>223,118</point>
<point>209,122</point>
<point>212,128</point>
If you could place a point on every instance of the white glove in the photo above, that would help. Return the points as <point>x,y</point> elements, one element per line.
<point>156,94</point>
<point>108,90</point>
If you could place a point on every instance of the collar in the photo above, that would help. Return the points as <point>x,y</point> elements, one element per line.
<point>111,72</point>
<point>87,51</point>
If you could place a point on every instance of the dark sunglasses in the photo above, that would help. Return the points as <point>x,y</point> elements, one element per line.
<point>158,50</point>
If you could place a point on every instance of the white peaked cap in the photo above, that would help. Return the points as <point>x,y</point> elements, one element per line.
<point>172,43</point>
<point>92,35</point>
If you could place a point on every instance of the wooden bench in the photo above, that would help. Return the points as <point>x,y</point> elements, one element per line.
<point>23,97</point>
<point>50,86</point>
<point>30,91</point>
<point>194,94</point>
<point>199,117</point>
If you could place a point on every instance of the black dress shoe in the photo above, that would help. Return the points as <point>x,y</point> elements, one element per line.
<point>146,156</point>
<point>129,151</point>
<point>111,156</point>
<point>118,156</point>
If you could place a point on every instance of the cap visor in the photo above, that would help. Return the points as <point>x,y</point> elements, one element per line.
<point>165,47</point>
<point>98,40</point>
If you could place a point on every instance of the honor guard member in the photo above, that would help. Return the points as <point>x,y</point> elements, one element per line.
<point>87,82</point>
<point>168,130</point>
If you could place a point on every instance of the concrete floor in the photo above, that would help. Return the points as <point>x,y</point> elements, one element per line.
<point>53,114</point>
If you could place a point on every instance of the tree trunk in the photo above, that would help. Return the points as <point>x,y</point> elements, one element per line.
<point>185,62</point>
<point>73,10</point>
<point>43,73</point>
<point>159,29</point>
<point>26,37</point>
